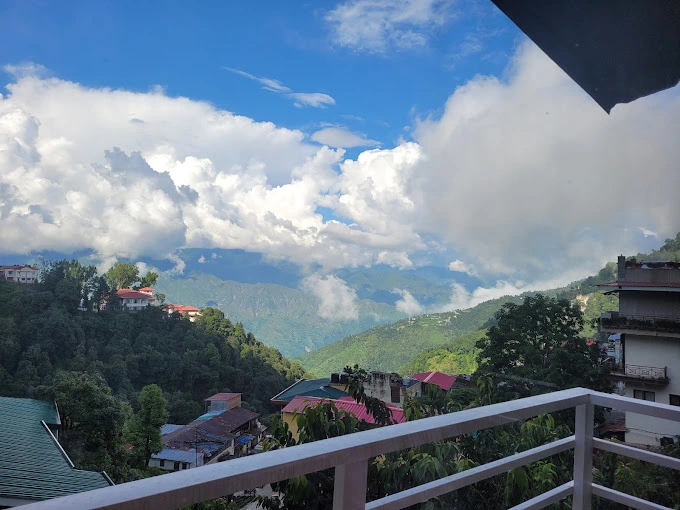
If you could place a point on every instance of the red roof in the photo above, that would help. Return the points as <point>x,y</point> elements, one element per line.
<point>672,285</point>
<point>223,396</point>
<point>146,289</point>
<point>442,380</point>
<point>132,294</point>
<point>300,403</point>
<point>182,308</point>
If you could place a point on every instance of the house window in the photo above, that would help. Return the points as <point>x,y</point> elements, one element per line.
<point>176,467</point>
<point>674,400</point>
<point>162,463</point>
<point>185,465</point>
<point>644,395</point>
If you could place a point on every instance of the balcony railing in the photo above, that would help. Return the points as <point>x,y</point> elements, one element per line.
<point>652,374</point>
<point>663,323</point>
<point>350,454</point>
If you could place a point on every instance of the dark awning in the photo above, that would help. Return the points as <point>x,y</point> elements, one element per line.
<point>616,50</point>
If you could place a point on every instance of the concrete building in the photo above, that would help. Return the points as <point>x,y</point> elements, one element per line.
<point>648,322</point>
<point>388,387</point>
<point>134,300</point>
<point>19,274</point>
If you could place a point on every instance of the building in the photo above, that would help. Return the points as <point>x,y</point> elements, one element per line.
<point>33,465</point>
<point>19,274</point>
<point>444,381</point>
<point>388,387</point>
<point>300,403</point>
<point>133,300</point>
<point>190,311</point>
<point>225,429</point>
<point>648,322</point>
<point>309,388</point>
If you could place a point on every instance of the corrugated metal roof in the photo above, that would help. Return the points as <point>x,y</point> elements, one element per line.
<point>169,427</point>
<point>32,466</point>
<point>300,403</point>
<point>670,285</point>
<point>442,380</point>
<point>176,455</point>
<point>223,396</point>
<point>310,388</point>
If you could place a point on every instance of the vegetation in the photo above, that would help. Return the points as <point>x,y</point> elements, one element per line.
<point>96,364</point>
<point>456,357</point>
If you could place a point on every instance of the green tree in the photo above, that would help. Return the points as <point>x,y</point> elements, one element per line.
<point>143,430</point>
<point>148,280</point>
<point>122,275</point>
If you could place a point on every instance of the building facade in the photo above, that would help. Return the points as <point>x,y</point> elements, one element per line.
<point>648,322</point>
<point>19,274</point>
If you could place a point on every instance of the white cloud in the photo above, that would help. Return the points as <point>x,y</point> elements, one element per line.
<point>647,233</point>
<point>314,99</point>
<point>461,267</point>
<point>527,177</point>
<point>25,69</point>
<point>399,260</point>
<point>376,26</point>
<point>407,304</point>
<point>341,137</point>
<point>202,260</point>
<point>337,300</point>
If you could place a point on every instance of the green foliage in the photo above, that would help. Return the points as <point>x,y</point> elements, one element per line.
<point>456,357</point>
<point>43,334</point>
<point>148,280</point>
<point>122,275</point>
<point>143,430</point>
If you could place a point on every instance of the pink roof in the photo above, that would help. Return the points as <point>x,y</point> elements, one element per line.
<point>131,294</point>
<point>300,403</point>
<point>223,396</point>
<point>442,380</point>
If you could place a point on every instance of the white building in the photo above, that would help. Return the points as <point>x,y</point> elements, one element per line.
<point>173,459</point>
<point>648,321</point>
<point>133,300</point>
<point>19,274</point>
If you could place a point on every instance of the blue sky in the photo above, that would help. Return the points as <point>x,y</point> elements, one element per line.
<point>186,47</point>
<point>352,133</point>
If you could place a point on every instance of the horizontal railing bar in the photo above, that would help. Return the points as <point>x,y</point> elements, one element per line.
<point>547,498</point>
<point>625,499</point>
<point>665,411</point>
<point>637,453</point>
<point>457,481</point>
<point>184,488</point>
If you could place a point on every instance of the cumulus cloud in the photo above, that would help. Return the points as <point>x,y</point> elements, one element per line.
<point>314,99</point>
<point>407,304</point>
<point>202,260</point>
<point>341,137</point>
<point>336,300</point>
<point>526,177</point>
<point>376,26</point>
<point>459,266</point>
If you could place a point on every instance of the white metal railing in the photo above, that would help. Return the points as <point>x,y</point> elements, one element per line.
<point>350,454</point>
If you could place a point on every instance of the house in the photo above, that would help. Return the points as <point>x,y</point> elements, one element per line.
<point>300,403</point>
<point>177,459</point>
<point>444,381</point>
<point>309,388</point>
<point>648,325</point>
<point>190,311</point>
<point>33,465</point>
<point>220,402</point>
<point>133,300</point>
<point>388,387</point>
<point>19,274</point>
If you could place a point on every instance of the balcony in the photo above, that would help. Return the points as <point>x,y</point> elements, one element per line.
<point>662,325</point>
<point>349,455</point>
<point>650,375</point>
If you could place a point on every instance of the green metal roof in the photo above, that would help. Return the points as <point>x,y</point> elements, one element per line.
<point>310,388</point>
<point>32,466</point>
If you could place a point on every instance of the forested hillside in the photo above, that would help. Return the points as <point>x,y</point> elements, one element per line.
<point>42,332</point>
<point>282,317</point>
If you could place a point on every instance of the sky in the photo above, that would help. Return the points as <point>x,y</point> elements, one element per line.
<point>326,134</point>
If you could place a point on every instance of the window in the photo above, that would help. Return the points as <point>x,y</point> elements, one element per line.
<point>176,467</point>
<point>185,465</point>
<point>674,400</point>
<point>395,394</point>
<point>162,463</point>
<point>644,395</point>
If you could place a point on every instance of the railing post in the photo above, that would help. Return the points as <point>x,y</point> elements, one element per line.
<point>349,492</point>
<point>583,457</point>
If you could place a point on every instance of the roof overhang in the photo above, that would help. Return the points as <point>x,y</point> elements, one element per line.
<point>616,51</point>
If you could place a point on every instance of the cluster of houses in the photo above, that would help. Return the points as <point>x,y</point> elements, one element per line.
<point>133,300</point>
<point>224,431</point>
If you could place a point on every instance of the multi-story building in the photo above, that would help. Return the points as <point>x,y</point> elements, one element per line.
<point>648,322</point>
<point>19,274</point>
